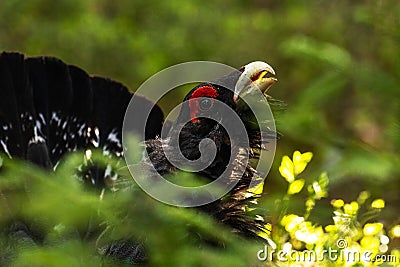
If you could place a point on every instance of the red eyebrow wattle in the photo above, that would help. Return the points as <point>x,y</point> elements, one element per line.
<point>205,91</point>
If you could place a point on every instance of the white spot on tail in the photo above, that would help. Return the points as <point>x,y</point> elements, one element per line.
<point>5,149</point>
<point>37,139</point>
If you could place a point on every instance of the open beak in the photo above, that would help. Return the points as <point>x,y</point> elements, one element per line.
<point>256,75</point>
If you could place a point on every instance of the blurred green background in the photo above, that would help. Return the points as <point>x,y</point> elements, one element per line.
<point>338,65</point>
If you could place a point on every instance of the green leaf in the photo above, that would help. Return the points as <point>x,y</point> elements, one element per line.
<point>325,52</point>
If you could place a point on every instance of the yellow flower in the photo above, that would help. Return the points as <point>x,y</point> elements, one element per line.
<point>287,169</point>
<point>351,208</point>
<point>300,161</point>
<point>396,231</point>
<point>337,203</point>
<point>371,229</point>
<point>378,204</point>
<point>295,187</point>
<point>291,221</point>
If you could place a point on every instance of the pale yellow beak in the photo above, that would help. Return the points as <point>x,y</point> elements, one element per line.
<point>255,76</point>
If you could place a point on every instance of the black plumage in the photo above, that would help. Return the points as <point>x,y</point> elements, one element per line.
<point>49,108</point>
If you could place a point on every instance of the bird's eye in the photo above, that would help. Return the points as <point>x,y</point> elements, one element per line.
<point>206,104</point>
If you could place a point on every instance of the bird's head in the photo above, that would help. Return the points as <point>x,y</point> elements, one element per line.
<point>215,111</point>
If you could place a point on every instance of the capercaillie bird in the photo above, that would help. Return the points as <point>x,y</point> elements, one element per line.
<point>49,108</point>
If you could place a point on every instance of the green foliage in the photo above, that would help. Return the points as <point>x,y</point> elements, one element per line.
<point>77,223</point>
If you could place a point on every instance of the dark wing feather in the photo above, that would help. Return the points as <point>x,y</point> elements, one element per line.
<point>48,108</point>
<point>15,108</point>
